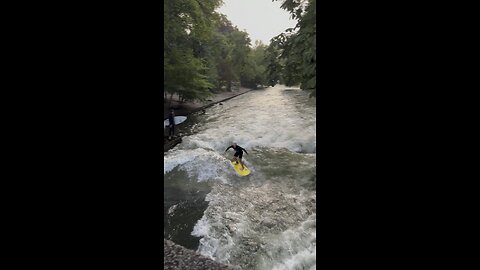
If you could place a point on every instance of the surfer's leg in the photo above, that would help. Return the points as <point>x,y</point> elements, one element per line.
<point>235,158</point>
<point>171,132</point>
<point>241,162</point>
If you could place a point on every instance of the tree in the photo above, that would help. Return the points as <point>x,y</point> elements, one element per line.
<point>291,55</point>
<point>187,26</point>
<point>253,72</point>
<point>205,52</point>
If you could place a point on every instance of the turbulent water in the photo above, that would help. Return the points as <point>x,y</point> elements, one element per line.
<point>266,220</point>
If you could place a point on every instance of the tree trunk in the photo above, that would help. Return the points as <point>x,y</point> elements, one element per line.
<point>229,86</point>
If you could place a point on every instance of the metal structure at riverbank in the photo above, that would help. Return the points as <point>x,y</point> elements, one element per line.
<point>169,144</point>
<point>194,110</point>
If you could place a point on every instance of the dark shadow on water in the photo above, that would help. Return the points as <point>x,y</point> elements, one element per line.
<point>186,201</point>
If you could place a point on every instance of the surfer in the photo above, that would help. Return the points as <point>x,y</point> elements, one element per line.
<point>171,125</point>
<point>238,153</point>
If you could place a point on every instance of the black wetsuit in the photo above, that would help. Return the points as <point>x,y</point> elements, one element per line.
<point>171,120</point>
<point>238,151</point>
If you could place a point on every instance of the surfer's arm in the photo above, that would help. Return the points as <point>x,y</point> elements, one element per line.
<point>245,151</point>
<point>228,148</point>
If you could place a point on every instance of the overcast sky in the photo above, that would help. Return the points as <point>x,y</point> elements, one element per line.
<point>261,19</point>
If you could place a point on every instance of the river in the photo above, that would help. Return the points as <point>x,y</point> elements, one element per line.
<point>266,220</point>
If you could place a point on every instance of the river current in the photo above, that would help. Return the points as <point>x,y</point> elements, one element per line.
<point>266,220</point>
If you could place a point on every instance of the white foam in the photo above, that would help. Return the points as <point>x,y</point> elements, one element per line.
<point>300,243</point>
<point>211,246</point>
<point>176,158</point>
<point>200,164</point>
<point>240,217</point>
<point>201,227</point>
<point>272,121</point>
<point>301,260</point>
<point>237,220</point>
<point>172,209</point>
<point>208,245</point>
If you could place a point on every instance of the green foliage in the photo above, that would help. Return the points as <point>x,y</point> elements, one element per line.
<point>204,52</point>
<point>274,66</point>
<point>254,70</point>
<point>186,28</point>
<point>185,75</point>
<point>291,56</point>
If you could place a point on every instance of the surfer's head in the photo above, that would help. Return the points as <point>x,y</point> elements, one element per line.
<point>234,145</point>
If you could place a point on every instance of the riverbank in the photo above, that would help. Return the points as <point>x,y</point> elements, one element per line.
<point>187,108</point>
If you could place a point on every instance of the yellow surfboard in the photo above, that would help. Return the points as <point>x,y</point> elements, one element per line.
<point>239,170</point>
